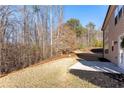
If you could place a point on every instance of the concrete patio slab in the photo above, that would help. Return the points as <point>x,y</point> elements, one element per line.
<point>97,66</point>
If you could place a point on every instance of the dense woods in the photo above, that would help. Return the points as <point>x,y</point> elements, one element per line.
<point>26,34</point>
<point>29,34</point>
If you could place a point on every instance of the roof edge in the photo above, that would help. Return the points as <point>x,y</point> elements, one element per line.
<point>110,11</point>
<point>105,18</point>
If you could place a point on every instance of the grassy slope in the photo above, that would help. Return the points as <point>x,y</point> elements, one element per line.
<point>53,74</point>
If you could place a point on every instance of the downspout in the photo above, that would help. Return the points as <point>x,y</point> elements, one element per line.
<point>103,45</point>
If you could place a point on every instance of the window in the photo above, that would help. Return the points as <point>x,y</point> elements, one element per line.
<point>112,48</point>
<point>115,20</point>
<point>106,51</point>
<point>112,45</point>
<point>118,13</point>
<point>118,8</point>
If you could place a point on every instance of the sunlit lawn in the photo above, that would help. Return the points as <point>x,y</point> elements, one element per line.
<point>52,74</point>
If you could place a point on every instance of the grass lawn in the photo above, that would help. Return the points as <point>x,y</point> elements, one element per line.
<point>52,74</point>
<point>55,73</point>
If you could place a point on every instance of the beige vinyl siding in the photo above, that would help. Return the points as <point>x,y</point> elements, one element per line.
<point>114,31</point>
<point>109,37</point>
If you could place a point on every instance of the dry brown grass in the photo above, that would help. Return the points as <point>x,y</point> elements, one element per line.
<point>52,74</point>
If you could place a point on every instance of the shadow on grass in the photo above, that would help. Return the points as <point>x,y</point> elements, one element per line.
<point>100,79</point>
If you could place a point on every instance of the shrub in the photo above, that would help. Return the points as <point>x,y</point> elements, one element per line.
<point>97,43</point>
<point>122,43</point>
<point>81,46</point>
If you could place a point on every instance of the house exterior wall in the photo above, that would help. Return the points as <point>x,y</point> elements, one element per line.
<point>108,38</point>
<point>111,35</point>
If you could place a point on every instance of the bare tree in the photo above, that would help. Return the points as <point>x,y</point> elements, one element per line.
<point>28,34</point>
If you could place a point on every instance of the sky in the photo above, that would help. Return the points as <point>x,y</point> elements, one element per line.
<point>86,14</point>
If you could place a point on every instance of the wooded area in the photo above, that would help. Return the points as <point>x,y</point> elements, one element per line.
<point>29,34</point>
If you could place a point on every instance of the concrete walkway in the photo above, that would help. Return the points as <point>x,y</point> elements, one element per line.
<point>97,66</point>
